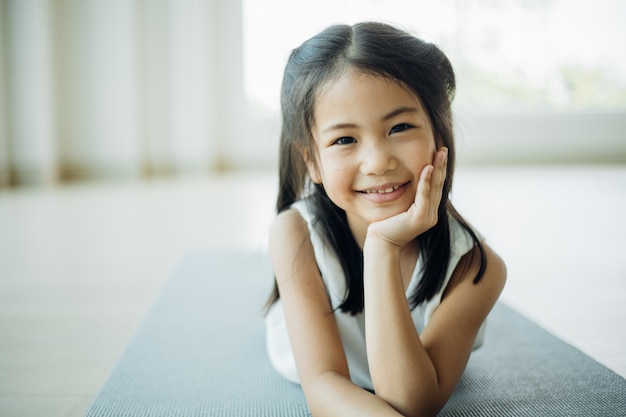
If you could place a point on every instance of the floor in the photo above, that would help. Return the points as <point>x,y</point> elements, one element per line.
<point>80,264</point>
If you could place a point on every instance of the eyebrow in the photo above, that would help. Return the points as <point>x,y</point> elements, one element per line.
<point>390,115</point>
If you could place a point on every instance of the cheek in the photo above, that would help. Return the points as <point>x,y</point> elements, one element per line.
<point>420,156</point>
<point>334,167</point>
<point>337,177</point>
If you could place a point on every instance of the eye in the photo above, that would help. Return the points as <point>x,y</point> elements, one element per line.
<point>346,140</point>
<point>400,128</point>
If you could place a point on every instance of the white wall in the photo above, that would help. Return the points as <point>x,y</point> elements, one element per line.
<point>546,137</point>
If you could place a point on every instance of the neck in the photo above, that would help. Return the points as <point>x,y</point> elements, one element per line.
<point>358,228</point>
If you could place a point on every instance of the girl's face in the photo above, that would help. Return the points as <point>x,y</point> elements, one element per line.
<point>373,138</point>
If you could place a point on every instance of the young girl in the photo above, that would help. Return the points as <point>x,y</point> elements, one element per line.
<point>382,288</point>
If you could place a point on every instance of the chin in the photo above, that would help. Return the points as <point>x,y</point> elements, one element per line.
<point>384,214</point>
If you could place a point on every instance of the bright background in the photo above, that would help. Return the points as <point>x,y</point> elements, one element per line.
<point>141,88</point>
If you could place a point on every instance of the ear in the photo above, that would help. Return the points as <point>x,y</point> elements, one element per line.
<point>312,165</point>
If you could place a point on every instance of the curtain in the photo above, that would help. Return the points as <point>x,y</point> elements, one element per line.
<point>116,88</point>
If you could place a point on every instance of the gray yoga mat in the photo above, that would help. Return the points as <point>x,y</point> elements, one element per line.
<point>200,352</point>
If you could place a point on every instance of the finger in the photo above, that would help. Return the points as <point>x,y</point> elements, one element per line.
<point>424,186</point>
<point>423,193</point>
<point>440,162</point>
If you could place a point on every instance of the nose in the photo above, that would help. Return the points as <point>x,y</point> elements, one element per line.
<point>378,158</point>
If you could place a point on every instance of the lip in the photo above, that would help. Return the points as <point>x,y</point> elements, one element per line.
<point>385,193</point>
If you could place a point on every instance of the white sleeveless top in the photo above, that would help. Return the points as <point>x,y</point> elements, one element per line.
<point>352,328</point>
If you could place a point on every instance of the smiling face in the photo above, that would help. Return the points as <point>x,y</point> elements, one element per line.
<point>373,139</point>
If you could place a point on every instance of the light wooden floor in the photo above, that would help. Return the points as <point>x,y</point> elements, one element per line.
<point>80,264</point>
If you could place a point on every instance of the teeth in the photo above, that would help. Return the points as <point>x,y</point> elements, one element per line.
<point>385,191</point>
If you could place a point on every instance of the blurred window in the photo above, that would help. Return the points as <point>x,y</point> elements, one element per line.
<point>515,55</point>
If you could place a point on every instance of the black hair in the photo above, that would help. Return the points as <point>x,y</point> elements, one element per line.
<point>384,50</point>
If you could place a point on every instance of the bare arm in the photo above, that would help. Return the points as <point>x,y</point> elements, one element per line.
<point>313,333</point>
<point>417,374</point>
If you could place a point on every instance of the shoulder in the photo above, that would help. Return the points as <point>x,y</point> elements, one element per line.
<point>287,224</point>
<point>493,278</point>
<point>289,244</point>
<point>292,222</point>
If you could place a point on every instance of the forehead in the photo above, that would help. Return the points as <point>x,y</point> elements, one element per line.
<point>362,94</point>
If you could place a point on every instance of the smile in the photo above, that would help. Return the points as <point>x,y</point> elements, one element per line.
<point>384,194</point>
<point>383,191</point>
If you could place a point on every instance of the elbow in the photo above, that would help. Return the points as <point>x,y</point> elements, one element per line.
<point>419,405</point>
<point>420,412</point>
<point>427,401</point>
<point>432,409</point>
<point>425,410</point>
